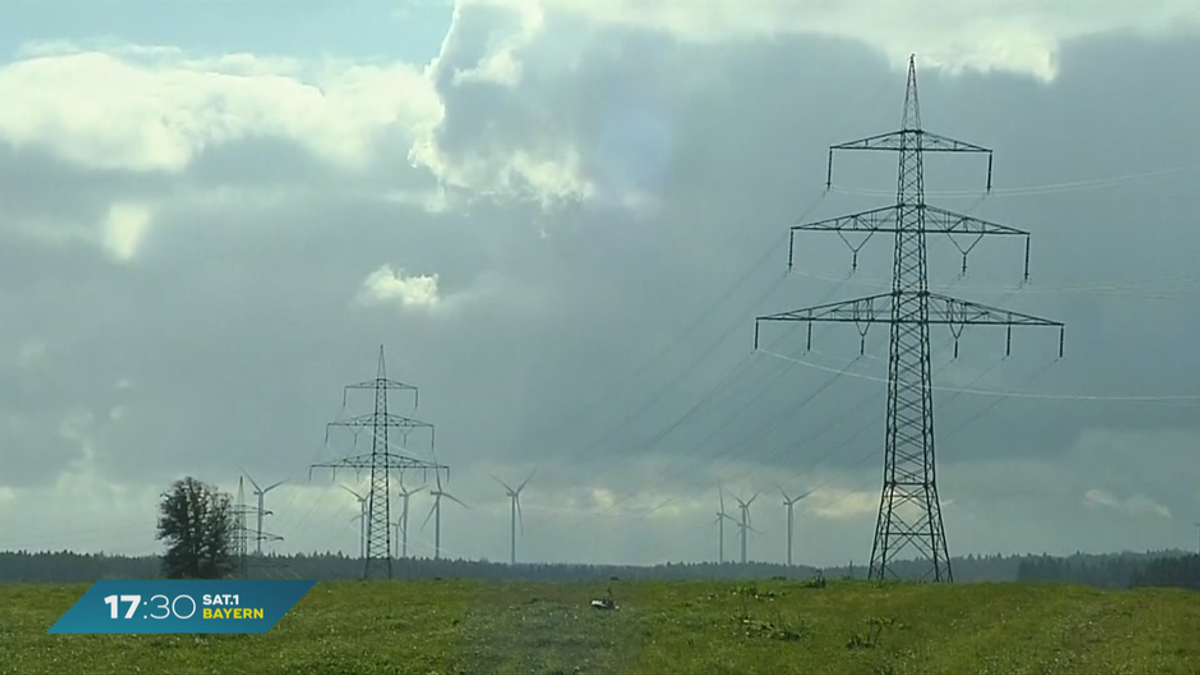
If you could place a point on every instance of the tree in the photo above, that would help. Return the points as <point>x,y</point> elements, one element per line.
<point>197,523</point>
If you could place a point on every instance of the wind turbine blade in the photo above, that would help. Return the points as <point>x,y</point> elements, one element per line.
<point>506,487</point>
<point>756,494</point>
<point>356,495</point>
<point>455,499</point>
<point>272,487</point>
<point>520,516</point>
<point>431,510</point>
<point>526,481</point>
<point>786,499</point>
<point>721,496</point>
<point>416,490</point>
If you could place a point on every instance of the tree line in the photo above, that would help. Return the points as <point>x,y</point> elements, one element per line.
<point>1125,570</point>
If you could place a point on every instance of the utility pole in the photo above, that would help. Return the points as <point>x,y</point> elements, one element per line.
<point>909,473</point>
<point>381,461</point>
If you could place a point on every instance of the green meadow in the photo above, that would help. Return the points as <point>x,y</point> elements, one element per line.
<point>774,627</point>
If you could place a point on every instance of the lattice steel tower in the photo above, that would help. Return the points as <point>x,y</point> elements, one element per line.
<point>381,461</point>
<point>909,510</point>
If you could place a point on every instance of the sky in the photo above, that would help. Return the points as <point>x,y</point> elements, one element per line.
<point>560,219</point>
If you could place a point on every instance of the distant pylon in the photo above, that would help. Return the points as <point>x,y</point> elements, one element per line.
<point>909,473</point>
<point>381,461</point>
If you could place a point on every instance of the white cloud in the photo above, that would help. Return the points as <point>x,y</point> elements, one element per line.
<point>124,227</point>
<point>1013,35</point>
<point>388,285</point>
<point>155,109</point>
<point>1137,505</point>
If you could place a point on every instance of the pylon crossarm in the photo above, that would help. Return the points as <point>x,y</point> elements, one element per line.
<point>886,220</point>
<point>383,383</point>
<point>387,460</point>
<point>909,140</point>
<point>373,419</point>
<point>883,219</point>
<point>942,310</point>
<point>897,140</point>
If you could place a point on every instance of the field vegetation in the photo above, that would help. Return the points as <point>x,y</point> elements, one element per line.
<point>778,626</point>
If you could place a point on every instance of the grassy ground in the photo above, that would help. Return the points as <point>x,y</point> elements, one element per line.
<point>775,627</point>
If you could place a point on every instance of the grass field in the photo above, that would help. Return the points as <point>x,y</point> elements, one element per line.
<point>775,627</point>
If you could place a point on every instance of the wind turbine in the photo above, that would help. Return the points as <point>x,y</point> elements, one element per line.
<point>515,497</point>
<point>261,493</point>
<point>402,523</point>
<point>744,526</point>
<point>362,516</point>
<point>436,514</point>
<point>789,502</point>
<point>721,518</point>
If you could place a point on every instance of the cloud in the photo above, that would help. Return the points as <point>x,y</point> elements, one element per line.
<point>1137,505</point>
<point>157,108</point>
<point>983,35</point>
<point>124,227</point>
<point>236,234</point>
<point>387,285</point>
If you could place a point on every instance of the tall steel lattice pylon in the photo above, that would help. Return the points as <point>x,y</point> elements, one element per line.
<point>910,513</point>
<point>381,461</point>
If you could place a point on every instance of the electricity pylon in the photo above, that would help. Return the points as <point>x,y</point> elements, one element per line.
<point>241,531</point>
<point>909,473</point>
<point>515,507</point>
<point>789,502</point>
<point>381,461</point>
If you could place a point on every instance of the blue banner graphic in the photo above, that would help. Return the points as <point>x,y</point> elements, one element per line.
<point>182,606</point>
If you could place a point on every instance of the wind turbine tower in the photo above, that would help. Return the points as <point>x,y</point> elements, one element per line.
<point>436,514</point>
<point>515,508</point>
<point>363,519</point>
<point>722,516</point>
<point>261,494</point>
<point>744,526</point>
<point>402,523</point>
<point>789,502</point>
